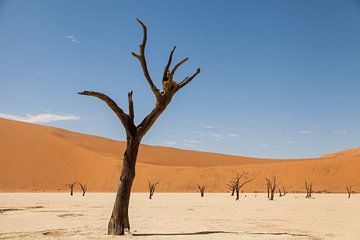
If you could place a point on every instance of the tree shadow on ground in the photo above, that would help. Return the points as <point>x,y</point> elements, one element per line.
<point>181,234</point>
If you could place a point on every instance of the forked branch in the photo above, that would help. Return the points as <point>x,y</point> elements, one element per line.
<point>349,190</point>
<point>142,59</point>
<point>83,188</point>
<point>202,190</point>
<point>71,186</point>
<point>124,118</point>
<point>308,187</point>
<point>271,185</point>
<point>152,187</point>
<point>283,193</point>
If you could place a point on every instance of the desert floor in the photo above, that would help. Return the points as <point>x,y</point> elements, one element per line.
<point>181,216</point>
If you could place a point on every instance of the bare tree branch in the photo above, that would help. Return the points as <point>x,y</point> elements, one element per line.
<point>131,106</point>
<point>187,80</point>
<point>177,66</point>
<point>124,118</point>
<point>142,60</point>
<point>167,67</point>
<point>241,185</point>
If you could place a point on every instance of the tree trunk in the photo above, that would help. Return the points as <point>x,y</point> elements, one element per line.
<point>237,194</point>
<point>71,191</point>
<point>119,220</point>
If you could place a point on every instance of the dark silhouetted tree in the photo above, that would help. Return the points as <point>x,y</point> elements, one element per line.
<point>271,184</point>
<point>283,193</point>
<point>119,220</point>
<point>83,188</point>
<point>235,185</point>
<point>349,190</point>
<point>308,187</point>
<point>152,187</point>
<point>71,186</point>
<point>202,190</point>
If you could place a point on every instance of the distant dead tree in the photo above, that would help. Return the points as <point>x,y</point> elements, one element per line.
<point>283,193</point>
<point>71,186</point>
<point>231,186</point>
<point>271,187</point>
<point>202,190</point>
<point>119,220</point>
<point>349,190</point>
<point>235,185</point>
<point>152,187</point>
<point>308,187</point>
<point>268,189</point>
<point>83,188</point>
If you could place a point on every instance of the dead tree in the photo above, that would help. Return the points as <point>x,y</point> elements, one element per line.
<point>308,187</point>
<point>283,193</point>
<point>202,190</point>
<point>268,189</point>
<point>71,186</point>
<point>134,133</point>
<point>235,185</point>
<point>271,187</point>
<point>231,186</point>
<point>349,190</point>
<point>152,187</point>
<point>83,188</point>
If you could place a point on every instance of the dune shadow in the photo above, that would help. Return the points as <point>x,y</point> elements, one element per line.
<point>181,233</point>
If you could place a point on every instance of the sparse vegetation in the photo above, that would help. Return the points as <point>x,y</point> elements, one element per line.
<point>71,186</point>
<point>283,193</point>
<point>152,187</point>
<point>202,190</point>
<point>235,185</point>
<point>83,188</point>
<point>271,186</point>
<point>309,189</point>
<point>349,190</point>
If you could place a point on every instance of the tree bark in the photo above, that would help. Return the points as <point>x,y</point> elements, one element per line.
<point>119,220</point>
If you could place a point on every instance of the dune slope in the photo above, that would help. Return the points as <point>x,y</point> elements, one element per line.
<point>41,158</point>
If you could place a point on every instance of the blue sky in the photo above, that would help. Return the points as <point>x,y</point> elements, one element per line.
<point>279,78</point>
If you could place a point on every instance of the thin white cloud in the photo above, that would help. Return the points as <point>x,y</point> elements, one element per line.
<point>72,39</point>
<point>246,129</point>
<point>232,135</point>
<point>193,141</point>
<point>216,136</point>
<point>40,118</point>
<point>171,143</point>
<point>210,127</point>
<point>289,141</point>
<point>340,132</point>
<point>305,132</point>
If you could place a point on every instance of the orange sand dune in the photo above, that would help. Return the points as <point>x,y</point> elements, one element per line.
<point>41,158</point>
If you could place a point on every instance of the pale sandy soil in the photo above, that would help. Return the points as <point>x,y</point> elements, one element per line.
<point>181,216</point>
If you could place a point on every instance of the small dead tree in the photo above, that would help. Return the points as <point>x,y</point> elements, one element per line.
<point>268,189</point>
<point>235,185</point>
<point>119,220</point>
<point>349,190</point>
<point>202,190</point>
<point>71,186</point>
<point>283,193</point>
<point>152,187</point>
<point>231,186</point>
<point>271,187</point>
<point>308,187</point>
<point>83,188</point>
